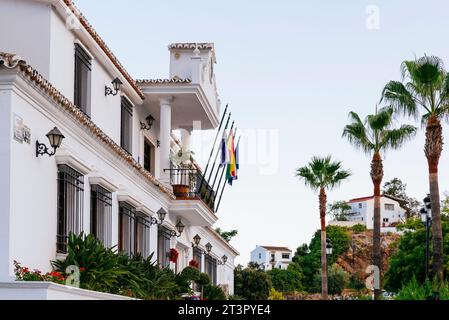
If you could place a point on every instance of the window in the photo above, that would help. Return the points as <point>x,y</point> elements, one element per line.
<point>211,268</point>
<point>360,206</point>
<point>127,226</point>
<point>126,125</point>
<point>260,256</point>
<point>385,220</point>
<point>389,207</point>
<point>285,256</point>
<point>70,205</point>
<point>101,214</point>
<point>83,66</point>
<point>143,226</point>
<point>148,156</point>
<point>163,247</point>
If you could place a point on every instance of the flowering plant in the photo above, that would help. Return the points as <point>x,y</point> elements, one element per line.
<point>194,263</point>
<point>24,274</point>
<point>173,255</point>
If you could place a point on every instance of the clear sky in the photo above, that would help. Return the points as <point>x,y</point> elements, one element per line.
<point>296,68</point>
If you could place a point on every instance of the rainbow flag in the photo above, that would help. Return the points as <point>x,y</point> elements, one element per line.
<point>231,170</point>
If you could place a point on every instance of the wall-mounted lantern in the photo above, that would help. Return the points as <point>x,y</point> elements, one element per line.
<point>116,85</point>
<point>161,213</point>
<point>179,227</point>
<point>148,125</point>
<point>208,248</point>
<point>224,259</point>
<point>55,138</point>
<point>196,241</point>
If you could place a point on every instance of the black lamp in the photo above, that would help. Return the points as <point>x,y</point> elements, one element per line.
<point>180,227</point>
<point>208,247</point>
<point>423,213</point>
<point>223,260</point>
<point>55,138</point>
<point>161,213</point>
<point>116,83</point>
<point>147,126</point>
<point>196,240</point>
<point>328,247</point>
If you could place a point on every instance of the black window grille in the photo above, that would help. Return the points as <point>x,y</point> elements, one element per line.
<point>126,125</point>
<point>163,246</point>
<point>211,268</point>
<point>70,205</point>
<point>127,226</point>
<point>101,214</point>
<point>143,227</point>
<point>83,67</point>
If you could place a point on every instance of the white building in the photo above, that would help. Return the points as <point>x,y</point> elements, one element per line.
<point>362,211</point>
<point>269,257</point>
<point>109,175</point>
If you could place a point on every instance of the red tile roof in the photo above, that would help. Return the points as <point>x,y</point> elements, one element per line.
<point>273,248</point>
<point>103,46</point>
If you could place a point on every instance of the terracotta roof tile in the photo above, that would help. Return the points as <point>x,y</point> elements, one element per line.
<point>192,45</point>
<point>273,248</point>
<point>163,81</point>
<point>103,45</point>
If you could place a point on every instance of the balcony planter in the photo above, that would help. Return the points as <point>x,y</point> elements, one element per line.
<point>181,190</point>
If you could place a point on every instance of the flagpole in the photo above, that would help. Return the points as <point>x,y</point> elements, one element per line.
<point>215,142</point>
<point>224,185</point>
<point>218,170</point>
<point>216,157</point>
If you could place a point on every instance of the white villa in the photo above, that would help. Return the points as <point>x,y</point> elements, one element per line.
<point>269,257</point>
<point>362,210</point>
<point>112,175</point>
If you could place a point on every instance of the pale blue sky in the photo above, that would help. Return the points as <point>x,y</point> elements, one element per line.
<point>295,66</point>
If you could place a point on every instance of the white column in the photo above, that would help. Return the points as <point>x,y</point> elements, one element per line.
<point>185,139</point>
<point>203,262</point>
<point>164,138</point>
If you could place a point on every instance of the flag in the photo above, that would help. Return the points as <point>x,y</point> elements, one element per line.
<point>237,161</point>
<point>223,155</point>
<point>231,168</point>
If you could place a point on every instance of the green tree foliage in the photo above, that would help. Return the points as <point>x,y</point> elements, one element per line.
<point>396,188</point>
<point>358,228</point>
<point>227,235</point>
<point>212,292</point>
<point>338,210</point>
<point>308,257</point>
<point>408,262</point>
<point>414,290</point>
<point>338,280</point>
<point>251,283</point>
<point>288,280</point>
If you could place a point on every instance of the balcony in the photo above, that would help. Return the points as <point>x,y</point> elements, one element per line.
<point>190,184</point>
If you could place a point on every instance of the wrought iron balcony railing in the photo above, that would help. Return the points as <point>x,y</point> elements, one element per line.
<point>189,183</point>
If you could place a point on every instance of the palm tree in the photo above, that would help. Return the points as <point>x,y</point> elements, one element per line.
<point>322,174</point>
<point>425,86</point>
<point>373,136</point>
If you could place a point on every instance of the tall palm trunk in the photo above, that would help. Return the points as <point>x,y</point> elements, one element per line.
<point>432,150</point>
<point>377,173</point>
<point>322,200</point>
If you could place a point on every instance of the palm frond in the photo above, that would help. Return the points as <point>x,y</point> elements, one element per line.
<point>395,138</point>
<point>400,99</point>
<point>356,133</point>
<point>322,172</point>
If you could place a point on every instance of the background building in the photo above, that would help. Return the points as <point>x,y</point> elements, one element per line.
<point>269,257</point>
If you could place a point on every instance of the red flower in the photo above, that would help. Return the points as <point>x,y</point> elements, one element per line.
<point>194,263</point>
<point>173,255</point>
<point>82,269</point>
<point>26,269</point>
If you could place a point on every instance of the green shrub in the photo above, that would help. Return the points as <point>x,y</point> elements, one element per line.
<point>416,291</point>
<point>251,284</point>
<point>212,292</point>
<point>275,295</point>
<point>358,228</point>
<point>337,280</point>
